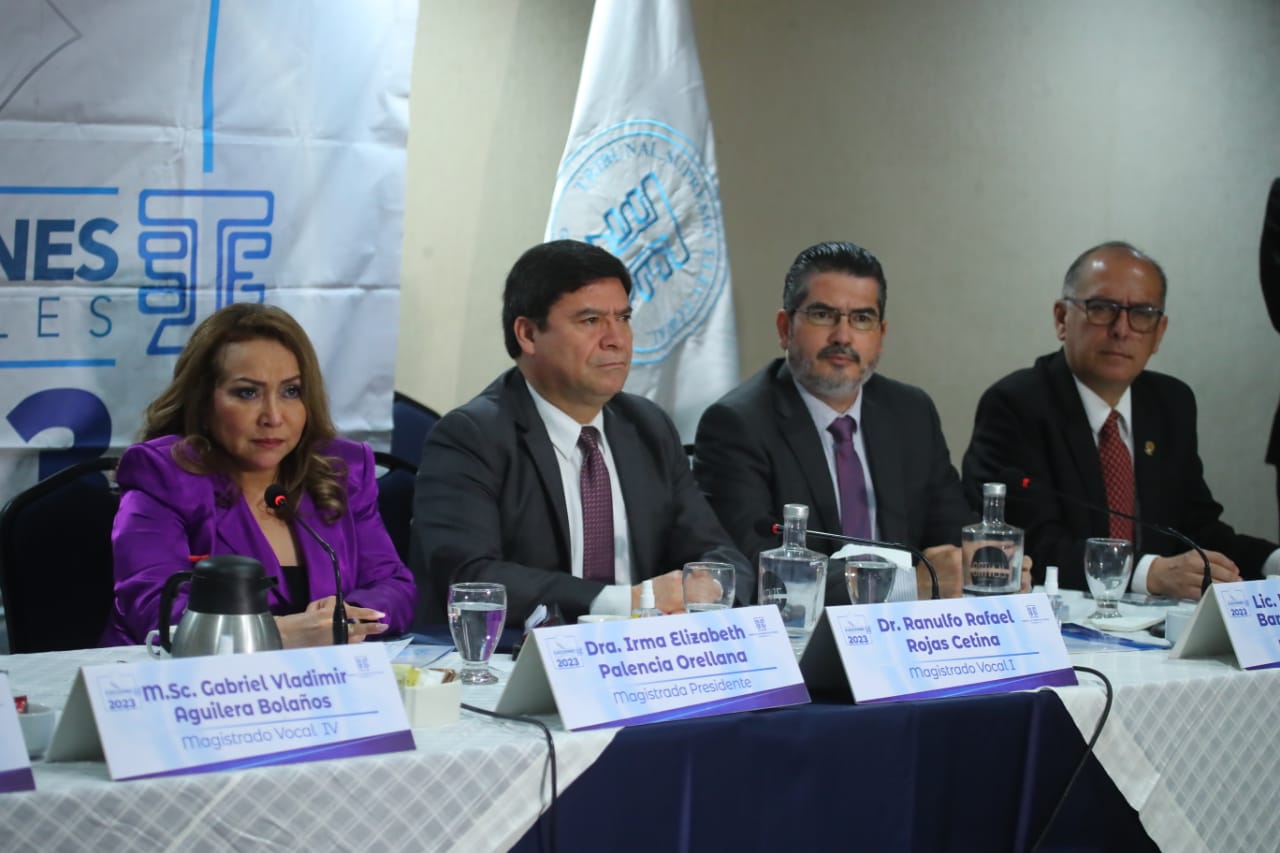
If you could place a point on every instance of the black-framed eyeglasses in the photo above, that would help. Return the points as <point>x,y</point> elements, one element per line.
<point>861,319</point>
<point>1103,312</point>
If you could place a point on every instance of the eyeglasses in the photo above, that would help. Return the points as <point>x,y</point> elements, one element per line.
<point>1103,312</point>
<point>861,319</point>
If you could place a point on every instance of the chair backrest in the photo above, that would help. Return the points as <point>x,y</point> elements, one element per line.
<point>395,499</point>
<point>55,558</point>
<point>410,423</point>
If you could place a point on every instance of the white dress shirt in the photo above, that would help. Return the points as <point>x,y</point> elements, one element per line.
<point>564,432</point>
<point>904,585</point>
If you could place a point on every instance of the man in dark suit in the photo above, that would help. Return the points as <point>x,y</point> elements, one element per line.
<point>1093,400</point>
<point>776,439</point>
<point>553,481</point>
<point>1269,274</point>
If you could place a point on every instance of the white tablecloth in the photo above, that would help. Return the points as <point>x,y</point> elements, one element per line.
<point>475,785</point>
<point>1194,745</point>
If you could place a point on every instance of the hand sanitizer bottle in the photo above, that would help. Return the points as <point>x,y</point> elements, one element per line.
<point>1060,609</point>
<point>647,606</point>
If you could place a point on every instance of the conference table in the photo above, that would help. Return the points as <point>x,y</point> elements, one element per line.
<point>1184,762</point>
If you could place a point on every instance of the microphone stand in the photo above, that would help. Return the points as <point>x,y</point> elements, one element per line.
<point>1025,484</point>
<point>278,499</point>
<point>776,529</point>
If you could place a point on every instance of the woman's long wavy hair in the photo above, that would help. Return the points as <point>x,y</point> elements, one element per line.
<point>185,408</point>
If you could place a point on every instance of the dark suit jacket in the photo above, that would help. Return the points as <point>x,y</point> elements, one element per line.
<point>757,448</point>
<point>489,504</point>
<point>1033,422</point>
<point>1269,273</point>
<point>168,514</point>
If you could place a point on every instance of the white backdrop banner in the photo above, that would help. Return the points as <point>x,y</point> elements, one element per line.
<point>160,160</point>
<point>639,178</point>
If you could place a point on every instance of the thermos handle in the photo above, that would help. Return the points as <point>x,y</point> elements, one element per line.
<point>166,604</point>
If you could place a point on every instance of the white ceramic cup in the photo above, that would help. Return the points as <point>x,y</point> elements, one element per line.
<point>37,728</point>
<point>1176,622</point>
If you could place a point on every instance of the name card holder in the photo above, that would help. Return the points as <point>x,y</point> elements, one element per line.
<point>226,712</point>
<point>15,767</point>
<point>634,671</point>
<point>926,649</point>
<point>1236,620</point>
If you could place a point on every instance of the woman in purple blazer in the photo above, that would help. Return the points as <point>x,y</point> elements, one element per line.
<point>246,409</point>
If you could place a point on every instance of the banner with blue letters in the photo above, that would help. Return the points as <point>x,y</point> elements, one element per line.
<point>639,178</point>
<point>161,160</point>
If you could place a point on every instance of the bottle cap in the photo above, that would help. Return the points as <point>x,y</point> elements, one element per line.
<point>646,595</point>
<point>795,512</point>
<point>1051,580</point>
<point>996,490</point>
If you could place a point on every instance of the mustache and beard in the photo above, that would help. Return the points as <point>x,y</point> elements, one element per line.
<point>829,382</point>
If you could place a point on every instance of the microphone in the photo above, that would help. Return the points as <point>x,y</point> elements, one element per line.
<point>278,499</point>
<point>1019,482</point>
<point>769,527</point>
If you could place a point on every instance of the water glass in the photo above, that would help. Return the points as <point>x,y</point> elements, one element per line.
<point>477,612</point>
<point>708,586</point>
<point>1108,566</point>
<point>870,578</point>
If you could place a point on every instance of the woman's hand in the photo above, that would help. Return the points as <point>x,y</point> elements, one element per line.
<point>314,626</point>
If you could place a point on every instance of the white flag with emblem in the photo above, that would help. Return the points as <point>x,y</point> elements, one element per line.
<point>639,178</point>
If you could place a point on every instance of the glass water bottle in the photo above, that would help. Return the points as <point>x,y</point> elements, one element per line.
<point>992,548</point>
<point>794,577</point>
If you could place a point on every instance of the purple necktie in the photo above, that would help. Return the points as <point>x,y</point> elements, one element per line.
<point>855,519</point>
<point>597,510</point>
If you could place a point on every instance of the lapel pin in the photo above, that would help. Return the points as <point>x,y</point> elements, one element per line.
<point>1149,448</point>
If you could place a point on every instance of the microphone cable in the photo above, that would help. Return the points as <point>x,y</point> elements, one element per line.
<point>1084,760</point>
<point>552,833</point>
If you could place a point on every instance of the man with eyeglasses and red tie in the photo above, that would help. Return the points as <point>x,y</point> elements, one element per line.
<point>818,427</point>
<point>1089,421</point>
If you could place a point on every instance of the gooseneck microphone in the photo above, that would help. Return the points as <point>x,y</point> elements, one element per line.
<point>769,527</point>
<point>1020,483</point>
<point>278,499</point>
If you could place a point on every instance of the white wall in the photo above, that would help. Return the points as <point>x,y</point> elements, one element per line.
<point>976,147</point>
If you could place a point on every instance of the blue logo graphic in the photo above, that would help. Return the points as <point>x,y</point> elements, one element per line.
<point>855,630</point>
<point>644,191</point>
<point>645,228</point>
<point>170,248</point>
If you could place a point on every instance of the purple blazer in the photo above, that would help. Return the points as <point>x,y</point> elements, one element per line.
<point>168,514</point>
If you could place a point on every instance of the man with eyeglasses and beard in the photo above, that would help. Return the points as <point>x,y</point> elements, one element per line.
<point>1090,421</point>
<point>866,454</point>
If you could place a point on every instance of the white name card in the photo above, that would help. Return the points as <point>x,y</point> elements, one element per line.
<point>15,767</point>
<point>224,712</point>
<point>926,649</point>
<point>636,671</point>
<point>1236,618</point>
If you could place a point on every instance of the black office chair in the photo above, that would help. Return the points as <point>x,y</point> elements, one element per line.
<point>395,499</point>
<point>55,558</point>
<point>410,423</point>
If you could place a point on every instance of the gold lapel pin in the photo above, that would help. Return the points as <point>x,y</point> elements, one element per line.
<point>1149,448</point>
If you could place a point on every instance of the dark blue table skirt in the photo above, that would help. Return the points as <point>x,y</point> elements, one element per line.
<point>973,774</point>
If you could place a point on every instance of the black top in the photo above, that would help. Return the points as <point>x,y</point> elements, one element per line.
<point>297,589</point>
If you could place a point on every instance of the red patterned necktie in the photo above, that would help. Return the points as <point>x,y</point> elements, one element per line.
<point>597,510</point>
<point>855,518</point>
<point>1117,474</point>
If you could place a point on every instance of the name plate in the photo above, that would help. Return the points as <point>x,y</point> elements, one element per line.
<point>634,671</point>
<point>925,649</point>
<point>224,712</point>
<point>1236,618</point>
<point>15,767</point>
